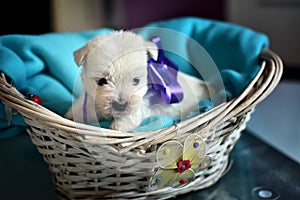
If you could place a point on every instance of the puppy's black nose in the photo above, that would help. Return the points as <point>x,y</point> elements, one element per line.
<point>119,106</point>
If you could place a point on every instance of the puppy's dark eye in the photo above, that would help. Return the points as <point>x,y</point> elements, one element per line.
<point>136,81</point>
<point>102,81</point>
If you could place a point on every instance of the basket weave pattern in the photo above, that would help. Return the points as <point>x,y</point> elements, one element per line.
<point>89,162</point>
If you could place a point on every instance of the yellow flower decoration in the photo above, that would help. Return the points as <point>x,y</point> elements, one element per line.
<point>179,163</point>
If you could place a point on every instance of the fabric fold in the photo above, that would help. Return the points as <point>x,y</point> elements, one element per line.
<point>43,64</point>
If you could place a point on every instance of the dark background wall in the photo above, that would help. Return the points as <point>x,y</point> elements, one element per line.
<point>279,22</point>
<point>138,12</point>
<point>34,17</point>
<point>25,17</point>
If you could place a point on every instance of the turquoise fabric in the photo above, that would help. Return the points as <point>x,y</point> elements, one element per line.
<point>44,65</point>
<point>41,65</point>
<point>234,49</point>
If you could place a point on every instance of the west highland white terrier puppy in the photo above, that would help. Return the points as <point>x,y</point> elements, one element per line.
<point>116,85</point>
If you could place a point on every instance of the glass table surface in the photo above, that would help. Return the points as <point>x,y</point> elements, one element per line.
<point>257,172</point>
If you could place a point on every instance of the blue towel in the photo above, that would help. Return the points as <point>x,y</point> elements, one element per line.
<point>234,49</point>
<point>44,65</point>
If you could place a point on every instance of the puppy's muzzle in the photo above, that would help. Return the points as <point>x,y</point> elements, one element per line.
<point>119,106</point>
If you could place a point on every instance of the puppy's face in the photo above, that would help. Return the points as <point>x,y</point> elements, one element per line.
<point>122,85</point>
<point>115,71</point>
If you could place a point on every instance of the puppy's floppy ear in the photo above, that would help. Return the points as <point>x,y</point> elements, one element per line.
<point>80,55</point>
<point>152,49</point>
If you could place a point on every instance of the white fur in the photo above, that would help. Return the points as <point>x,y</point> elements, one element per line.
<point>121,58</point>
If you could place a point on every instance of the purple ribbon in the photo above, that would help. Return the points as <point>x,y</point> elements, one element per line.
<point>162,75</point>
<point>85,118</point>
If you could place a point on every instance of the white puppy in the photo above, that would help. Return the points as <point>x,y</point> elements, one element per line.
<point>115,83</point>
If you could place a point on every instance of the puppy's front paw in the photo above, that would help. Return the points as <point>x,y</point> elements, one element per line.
<point>115,126</point>
<point>122,125</point>
<point>118,125</point>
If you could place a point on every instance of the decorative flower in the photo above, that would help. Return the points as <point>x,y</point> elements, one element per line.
<point>179,163</point>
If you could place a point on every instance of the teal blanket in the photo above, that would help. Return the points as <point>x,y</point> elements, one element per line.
<point>44,65</point>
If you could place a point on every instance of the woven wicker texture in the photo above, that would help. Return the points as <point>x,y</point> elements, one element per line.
<point>89,162</point>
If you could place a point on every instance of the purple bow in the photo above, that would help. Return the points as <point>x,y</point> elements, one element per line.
<point>162,75</point>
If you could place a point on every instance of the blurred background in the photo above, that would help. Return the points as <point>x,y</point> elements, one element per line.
<point>275,121</point>
<point>279,19</point>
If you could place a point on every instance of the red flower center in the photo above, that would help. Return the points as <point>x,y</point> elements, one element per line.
<point>182,166</point>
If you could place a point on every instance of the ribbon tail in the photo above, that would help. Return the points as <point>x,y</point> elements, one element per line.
<point>174,95</point>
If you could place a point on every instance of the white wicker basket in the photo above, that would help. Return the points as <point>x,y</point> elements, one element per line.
<point>72,149</point>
